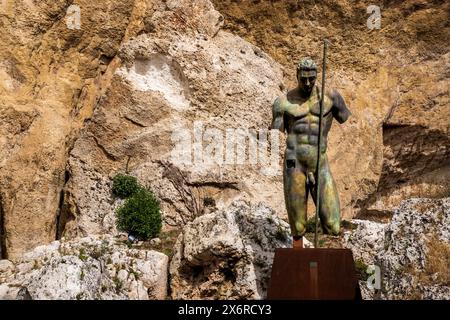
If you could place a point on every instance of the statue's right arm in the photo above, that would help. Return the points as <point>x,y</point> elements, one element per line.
<point>340,110</point>
<point>277,116</point>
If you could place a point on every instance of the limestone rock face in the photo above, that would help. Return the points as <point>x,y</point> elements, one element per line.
<point>412,252</point>
<point>181,92</point>
<point>395,80</point>
<point>416,253</point>
<point>52,73</point>
<point>86,268</point>
<point>228,254</point>
<point>366,241</point>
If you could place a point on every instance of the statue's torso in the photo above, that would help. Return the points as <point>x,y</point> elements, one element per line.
<point>301,122</point>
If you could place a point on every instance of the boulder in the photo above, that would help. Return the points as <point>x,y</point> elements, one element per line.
<point>153,69</point>
<point>410,254</point>
<point>415,258</point>
<point>228,254</point>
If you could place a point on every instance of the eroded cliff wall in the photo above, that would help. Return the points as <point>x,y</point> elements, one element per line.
<point>395,80</point>
<point>78,103</point>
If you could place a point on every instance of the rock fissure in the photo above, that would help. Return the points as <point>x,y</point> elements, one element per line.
<point>3,247</point>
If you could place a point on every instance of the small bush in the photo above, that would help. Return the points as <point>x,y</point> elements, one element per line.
<point>280,234</point>
<point>311,225</point>
<point>125,186</point>
<point>82,255</point>
<point>361,269</point>
<point>349,225</point>
<point>140,215</point>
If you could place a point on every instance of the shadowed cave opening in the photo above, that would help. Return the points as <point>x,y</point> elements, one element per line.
<point>415,150</point>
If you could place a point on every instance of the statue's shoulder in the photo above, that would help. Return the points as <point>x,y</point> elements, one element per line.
<point>280,103</point>
<point>340,109</point>
<point>280,99</point>
<point>333,94</point>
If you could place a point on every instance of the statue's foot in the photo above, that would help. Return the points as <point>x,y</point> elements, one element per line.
<point>298,242</point>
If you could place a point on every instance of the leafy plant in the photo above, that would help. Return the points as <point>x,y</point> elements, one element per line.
<point>135,273</point>
<point>280,234</point>
<point>361,269</point>
<point>118,284</point>
<point>140,215</point>
<point>349,225</point>
<point>82,255</point>
<point>311,225</point>
<point>125,186</point>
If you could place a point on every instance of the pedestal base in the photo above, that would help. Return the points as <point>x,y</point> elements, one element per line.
<point>309,274</point>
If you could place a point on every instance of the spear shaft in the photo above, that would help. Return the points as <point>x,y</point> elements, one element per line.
<point>319,141</point>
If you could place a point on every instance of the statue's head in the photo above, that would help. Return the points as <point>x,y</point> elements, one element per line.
<point>306,74</point>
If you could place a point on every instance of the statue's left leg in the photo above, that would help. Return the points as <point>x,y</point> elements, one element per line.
<point>329,201</point>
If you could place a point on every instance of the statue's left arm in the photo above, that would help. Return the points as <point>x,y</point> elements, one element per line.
<point>339,109</point>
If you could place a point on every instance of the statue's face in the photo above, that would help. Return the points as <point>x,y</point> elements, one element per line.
<point>306,80</point>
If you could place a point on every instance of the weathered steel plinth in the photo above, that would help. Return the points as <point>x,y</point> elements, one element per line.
<point>311,274</point>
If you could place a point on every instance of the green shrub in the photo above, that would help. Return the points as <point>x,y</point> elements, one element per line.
<point>140,215</point>
<point>124,186</point>
<point>361,269</point>
<point>311,225</point>
<point>349,225</point>
<point>280,234</point>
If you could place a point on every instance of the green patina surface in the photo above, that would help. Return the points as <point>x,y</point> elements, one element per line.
<point>298,115</point>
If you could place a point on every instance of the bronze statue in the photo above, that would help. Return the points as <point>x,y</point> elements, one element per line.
<point>298,113</point>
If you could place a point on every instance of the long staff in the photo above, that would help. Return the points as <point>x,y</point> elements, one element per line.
<point>319,141</point>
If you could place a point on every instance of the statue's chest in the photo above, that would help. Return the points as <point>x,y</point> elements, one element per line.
<point>303,108</point>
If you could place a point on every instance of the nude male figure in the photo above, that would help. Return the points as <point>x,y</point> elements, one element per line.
<point>297,114</point>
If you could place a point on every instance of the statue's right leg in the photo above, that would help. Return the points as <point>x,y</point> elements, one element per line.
<point>296,196</point>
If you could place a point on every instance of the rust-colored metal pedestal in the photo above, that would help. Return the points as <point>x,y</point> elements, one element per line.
<point>308,274</point>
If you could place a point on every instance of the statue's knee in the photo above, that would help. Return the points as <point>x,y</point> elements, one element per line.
<point>334,227</point>
<point>300,228</point>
